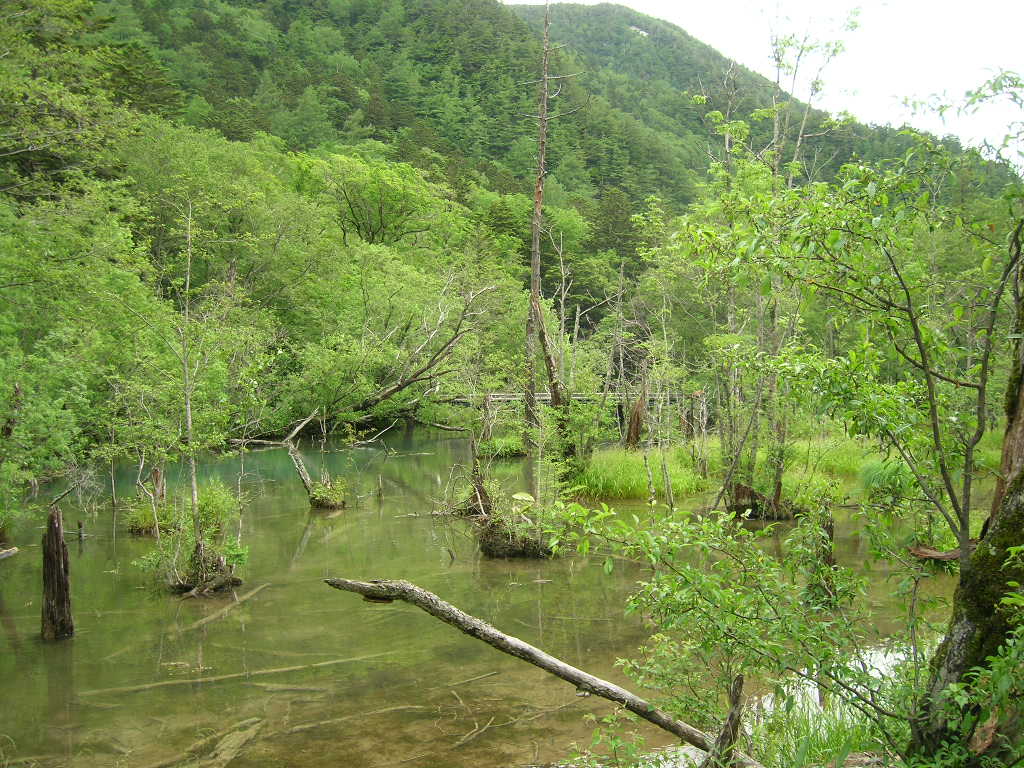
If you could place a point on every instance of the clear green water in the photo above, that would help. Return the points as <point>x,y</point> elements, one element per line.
<point>399,701</point>
<point>402,692</point>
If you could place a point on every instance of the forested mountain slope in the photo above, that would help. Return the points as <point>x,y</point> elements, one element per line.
<point>651,70</point>
<point>454,78</point>
<point>429,76</point>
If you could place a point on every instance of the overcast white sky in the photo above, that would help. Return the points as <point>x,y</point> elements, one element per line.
<point>902,49</point>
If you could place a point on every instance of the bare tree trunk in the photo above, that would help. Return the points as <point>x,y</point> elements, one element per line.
<point>57,623</point>
<point>652,494</point>
<point>722,754</point>
<point>389,591</point>
<point>777,458</point>
<point>159,484</point>
<point>300,466</point>
<point>113,483</point>
<point>533,318</point>
<point>670,498</point>
<point>188,387</point>
<point>701,442</point>
<point>480,499</point>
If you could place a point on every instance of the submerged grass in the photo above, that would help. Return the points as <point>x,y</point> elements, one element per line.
<point>808,735</point>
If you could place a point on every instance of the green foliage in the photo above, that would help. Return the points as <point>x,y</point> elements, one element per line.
<point>714,589</point>
<point>803,735</point>
<point>330,494</point>
<point>615,742</point>
<point>976,703</point>
<point>56,112</point>
<point>503,447</point>
<point>886,480</point>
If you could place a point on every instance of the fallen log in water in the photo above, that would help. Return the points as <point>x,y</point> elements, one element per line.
<point>387,591</point>
<point>232,676</point>
<point>33,761</point>
<point>4,553</point>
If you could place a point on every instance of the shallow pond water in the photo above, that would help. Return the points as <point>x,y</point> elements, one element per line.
<point>324,678</point>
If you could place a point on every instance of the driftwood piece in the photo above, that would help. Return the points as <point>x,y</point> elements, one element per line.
<point>584,682</point>
<point>721,755</point>
<point>225,737</point>
<point>286,688</point>
<point>225,610</point>
<point>472,679</point>
<point>232,676</point>
<point>57,623</point>
<point>930,553</point>
<point>227,748</point>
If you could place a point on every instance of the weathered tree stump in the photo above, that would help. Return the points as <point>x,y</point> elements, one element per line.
<point>746,500</point>
<point>57,621</point>
<point>500,540</point>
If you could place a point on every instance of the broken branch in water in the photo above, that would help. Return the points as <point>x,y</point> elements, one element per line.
<point>448,613</point>
<point>225,610</point>
<point>720,755</point>
<point>477,731</point>
<point>472,679</point>
<point>232,676</point>
<point>335,720</point>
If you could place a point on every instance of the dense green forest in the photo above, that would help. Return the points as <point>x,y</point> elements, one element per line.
<point>233,224</point>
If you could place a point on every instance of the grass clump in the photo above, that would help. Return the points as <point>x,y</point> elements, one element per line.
<point>807,735</point>
<point>513,526</point>
<point>615,473</point>
<point>885,479</point>
<point>141,519</point>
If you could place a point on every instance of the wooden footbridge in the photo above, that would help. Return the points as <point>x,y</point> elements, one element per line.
<point>489,398</point>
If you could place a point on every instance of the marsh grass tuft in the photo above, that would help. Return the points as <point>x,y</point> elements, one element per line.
<point>615,473</point>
